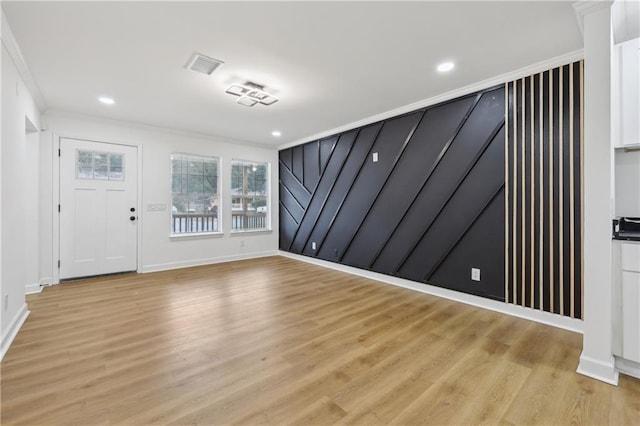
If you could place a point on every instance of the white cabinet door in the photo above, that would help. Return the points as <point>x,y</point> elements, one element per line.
<point>98,203</point>
<point>630,294</point>
<point>629,73</point>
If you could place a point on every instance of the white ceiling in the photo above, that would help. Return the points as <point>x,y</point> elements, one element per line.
<point>330,63</point>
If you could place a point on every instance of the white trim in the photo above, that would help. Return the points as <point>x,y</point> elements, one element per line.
<point>596,369</point>
<point>207,261</point>
<point>188,235</point>
<point>547,318</point>
<point>15,53</point>
<point>240,232</point>
<point>630,368</point>
<point>33,288</point>
<point>484,84</point>
<point>12,330</point>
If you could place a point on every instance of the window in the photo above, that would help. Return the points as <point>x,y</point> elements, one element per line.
<point>99,165</point>
<point>195,194</point>
<point>249,196</point>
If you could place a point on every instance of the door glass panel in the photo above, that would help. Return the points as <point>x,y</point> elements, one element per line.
<point>84,164</point>
<point>116,167</point>
<point>99,165</point>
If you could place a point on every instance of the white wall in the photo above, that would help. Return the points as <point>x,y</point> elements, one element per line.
<point>158,250</point>
<point>19,182</point>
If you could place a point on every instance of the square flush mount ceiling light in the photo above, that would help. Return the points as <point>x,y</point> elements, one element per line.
<point>251,94</point>
<point>201,63</point>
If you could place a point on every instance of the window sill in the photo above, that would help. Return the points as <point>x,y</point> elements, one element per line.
<point>250,232</point>
<point>192,235</point>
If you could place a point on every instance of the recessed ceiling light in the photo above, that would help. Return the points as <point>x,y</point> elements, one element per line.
<point>107,101</point>
<point>446,66</point>
<point>276,133</point>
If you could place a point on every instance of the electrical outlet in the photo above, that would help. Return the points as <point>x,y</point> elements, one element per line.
<point>241,243</point>
<point>6,302</point>
<point>375,157</point>
<point>313,245</point>
<point>475,274</point>
<point>335,252</point>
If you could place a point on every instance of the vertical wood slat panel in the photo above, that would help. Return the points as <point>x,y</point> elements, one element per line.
<point>506,191</point>
<point>551,205</point>
<point>542,269</point>
<point>541,190</point>
<point>514,204</point>
<point>571,205</point>
<point>581,145</point>
<point>523,195</point>
<point>532,204</point>
<point>561,187</point>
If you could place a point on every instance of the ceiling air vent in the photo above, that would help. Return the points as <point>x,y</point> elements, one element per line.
<point>201,63</point>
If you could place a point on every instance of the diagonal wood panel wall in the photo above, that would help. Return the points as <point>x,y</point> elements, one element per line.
<point>429,209</point>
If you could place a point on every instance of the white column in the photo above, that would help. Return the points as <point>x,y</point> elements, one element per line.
<point>597,359</point>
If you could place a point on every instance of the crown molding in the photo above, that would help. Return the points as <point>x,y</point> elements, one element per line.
<point>472,88</point>
<point>10,43</point>
<point>587,7</point>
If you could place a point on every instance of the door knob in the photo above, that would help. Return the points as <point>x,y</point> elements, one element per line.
<point>132,218</point>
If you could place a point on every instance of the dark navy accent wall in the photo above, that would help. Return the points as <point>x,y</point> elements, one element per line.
<point>430,208</point>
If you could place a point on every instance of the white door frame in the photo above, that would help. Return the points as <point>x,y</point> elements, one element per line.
<point>55,182</point>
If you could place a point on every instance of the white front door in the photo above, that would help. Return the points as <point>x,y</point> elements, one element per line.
<point>98,208</point>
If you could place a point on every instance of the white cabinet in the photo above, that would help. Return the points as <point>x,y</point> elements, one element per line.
<point>627,105</point>
<point>628,301</point>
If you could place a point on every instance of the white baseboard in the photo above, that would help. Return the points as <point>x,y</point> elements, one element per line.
<point>12,330</point>
<point>32,288</point>
<point>630,368</point>
<point>605,371</point>
<point>207,261</point>
<point>554,320</point>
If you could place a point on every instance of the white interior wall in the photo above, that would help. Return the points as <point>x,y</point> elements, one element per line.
<point>19,182</point>
<point>159,251</point>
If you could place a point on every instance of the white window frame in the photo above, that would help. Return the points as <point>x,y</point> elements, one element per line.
<point>267,196</point>
<point>220,214</point>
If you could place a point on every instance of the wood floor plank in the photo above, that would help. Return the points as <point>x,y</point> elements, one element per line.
<point>278,341</point>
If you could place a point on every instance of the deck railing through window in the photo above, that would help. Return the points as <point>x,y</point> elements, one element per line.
<point>184,223</point>
<point>248,221</point>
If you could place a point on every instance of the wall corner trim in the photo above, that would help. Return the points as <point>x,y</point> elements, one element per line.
<point>554,320</point>
<point>12,330</point>
<point>605,371</point>
<point>10,43</point>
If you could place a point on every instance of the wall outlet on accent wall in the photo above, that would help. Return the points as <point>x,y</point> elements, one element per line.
<point>313,245</point>
<point>475,274</point>
<point>375,157</point>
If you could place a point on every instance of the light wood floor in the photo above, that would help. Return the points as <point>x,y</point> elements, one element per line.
<point>277,341</point>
